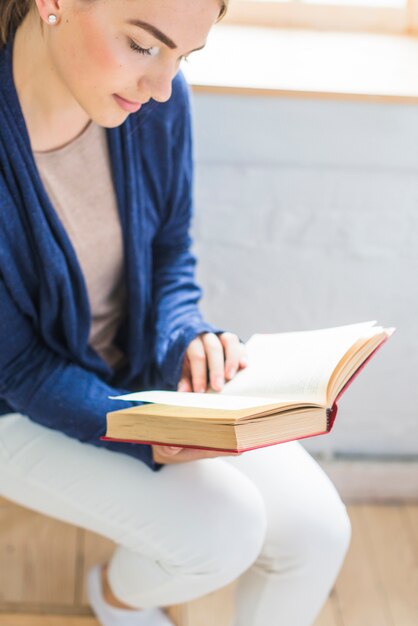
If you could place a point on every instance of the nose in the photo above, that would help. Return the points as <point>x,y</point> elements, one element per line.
<point>158,83</point>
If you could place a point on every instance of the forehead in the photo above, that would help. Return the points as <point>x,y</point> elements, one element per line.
<point>182,21</point>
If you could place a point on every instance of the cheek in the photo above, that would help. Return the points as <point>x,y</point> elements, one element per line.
<point>101,58</point>
<point>101,51</point>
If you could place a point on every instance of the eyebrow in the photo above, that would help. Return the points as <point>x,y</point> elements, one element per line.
<point>159,35</point>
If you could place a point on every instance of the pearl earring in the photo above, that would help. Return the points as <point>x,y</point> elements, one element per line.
<point>52,18</point>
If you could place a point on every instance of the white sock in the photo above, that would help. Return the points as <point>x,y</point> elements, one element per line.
<point>112,616</point>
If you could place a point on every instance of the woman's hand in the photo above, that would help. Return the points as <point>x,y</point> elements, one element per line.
<point>174,454</point>
<point>208,356</point>
<point>211,356</point>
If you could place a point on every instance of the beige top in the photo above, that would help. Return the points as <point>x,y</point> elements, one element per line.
<point>77,178</point>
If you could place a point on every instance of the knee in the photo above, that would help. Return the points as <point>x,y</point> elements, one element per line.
<point>219,539</point>
<point>331,536</point>
<point>244,526</point>
<point>318,539</point>
<point>232,535</point>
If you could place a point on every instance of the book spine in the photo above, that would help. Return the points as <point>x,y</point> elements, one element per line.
<point>332,412</point>
<point>331,415</point>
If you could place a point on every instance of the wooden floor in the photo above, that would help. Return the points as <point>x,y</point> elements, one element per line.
<point>378,585</point>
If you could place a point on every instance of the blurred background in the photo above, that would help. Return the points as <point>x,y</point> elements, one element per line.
<point>306,216</point>
<point>306,193</point>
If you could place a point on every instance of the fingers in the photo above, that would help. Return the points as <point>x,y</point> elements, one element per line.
<point>174,454</point>
<point>215,357</point>
<point>235,355</point>
<point>165,454</point>
<point>171,450</point>
<point>220,356</point>
<point>243,362</point>
<point>185,382</point>
<point>196,356</point>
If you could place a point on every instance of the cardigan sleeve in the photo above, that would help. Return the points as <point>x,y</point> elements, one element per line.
<point>176,293</point>
<point>52,391</point>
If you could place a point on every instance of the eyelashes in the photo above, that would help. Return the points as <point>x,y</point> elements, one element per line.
<point>147,51</point>
<point>134,46</point>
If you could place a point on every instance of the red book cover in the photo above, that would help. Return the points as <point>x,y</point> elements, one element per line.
<point>331,415</point>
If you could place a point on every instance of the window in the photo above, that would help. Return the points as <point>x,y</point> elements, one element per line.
<point>386,16</point>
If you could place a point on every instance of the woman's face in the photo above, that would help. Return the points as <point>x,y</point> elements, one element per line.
<point>97,52</point>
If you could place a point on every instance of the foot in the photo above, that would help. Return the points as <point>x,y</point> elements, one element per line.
<point>108,595</point>
<point>109,615</point>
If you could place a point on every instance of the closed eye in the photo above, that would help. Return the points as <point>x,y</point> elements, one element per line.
<point>138,49</point>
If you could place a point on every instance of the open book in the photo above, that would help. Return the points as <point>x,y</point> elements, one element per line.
<point>289,390</point>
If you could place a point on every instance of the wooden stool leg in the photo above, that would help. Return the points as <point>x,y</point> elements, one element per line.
<point>217,608</point>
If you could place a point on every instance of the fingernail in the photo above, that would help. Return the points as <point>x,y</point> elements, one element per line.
<point>219,381</point>
<point>232,372</point>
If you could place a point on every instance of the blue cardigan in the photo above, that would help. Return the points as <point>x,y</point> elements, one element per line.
<point>48,371</point>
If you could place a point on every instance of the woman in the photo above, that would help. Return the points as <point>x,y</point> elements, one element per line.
<point>98,296</point>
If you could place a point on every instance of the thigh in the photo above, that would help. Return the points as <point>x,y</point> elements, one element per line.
<point>155,513</point>
<point>303,507</point>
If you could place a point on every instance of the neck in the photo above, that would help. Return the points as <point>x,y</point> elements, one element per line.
<point>53,117</point>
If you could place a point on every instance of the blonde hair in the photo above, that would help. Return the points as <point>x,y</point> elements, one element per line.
<point>13,12</point>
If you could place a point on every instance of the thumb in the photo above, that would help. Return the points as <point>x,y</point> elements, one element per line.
<point>184,385</point>
<point>172,450</point>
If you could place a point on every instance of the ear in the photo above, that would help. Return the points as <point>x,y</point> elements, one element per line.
<point>46,7</point>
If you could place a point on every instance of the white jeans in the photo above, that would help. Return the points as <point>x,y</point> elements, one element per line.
<point>270,517</point>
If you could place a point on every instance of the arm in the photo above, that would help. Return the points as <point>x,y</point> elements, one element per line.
<point>52,391</point>
<point>176,294</point>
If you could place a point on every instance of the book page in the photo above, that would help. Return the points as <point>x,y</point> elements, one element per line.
<point>196,400</point>
<point>283,369</point>
<point>296,366</point>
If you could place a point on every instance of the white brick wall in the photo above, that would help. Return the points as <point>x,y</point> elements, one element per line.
<point>307,216</point>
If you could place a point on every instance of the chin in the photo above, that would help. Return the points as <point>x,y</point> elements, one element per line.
<point>104,115</point>
<point>113,124</point>
<point>109,120</point>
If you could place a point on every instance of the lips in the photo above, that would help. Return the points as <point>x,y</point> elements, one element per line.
<point>127,105</point>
